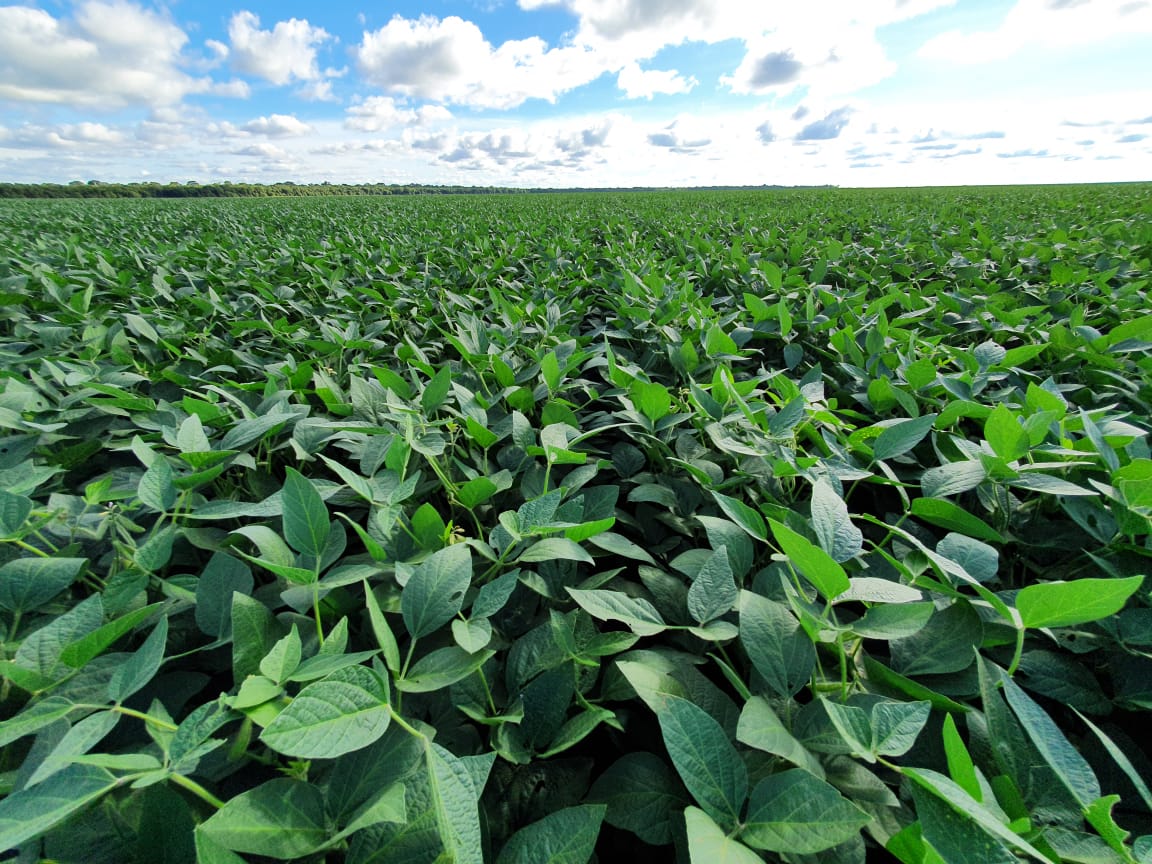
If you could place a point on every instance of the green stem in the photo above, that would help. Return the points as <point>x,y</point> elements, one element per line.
<point>28,547</point>
<point>316,609</point>
<point>197,790</point>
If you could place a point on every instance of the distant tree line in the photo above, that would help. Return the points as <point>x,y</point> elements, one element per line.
<point>192,189</point>
<point>285,189</point>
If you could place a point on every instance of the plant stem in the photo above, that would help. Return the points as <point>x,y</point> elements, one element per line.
<point>197,790</point>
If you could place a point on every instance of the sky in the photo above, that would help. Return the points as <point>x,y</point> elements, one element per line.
<point>577,93</point>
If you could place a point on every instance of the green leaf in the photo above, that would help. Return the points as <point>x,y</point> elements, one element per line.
<point>476,491</point>
<point>944,644</point>
<point>708,843</point>
<point>254,632</point>
<point>639,615</point>
<point>979,560</point>
<point>705,759</point>
<point>457,796</point>
<point>78,740</point>
<point>29,583</point>
<point>713,592</point>
<point>1064,604</point>
<point>344,712</point>
<point>899,438</point>
<point>435,591</point>
<point>1121,759</point>
<point>385,638</point>
<point>495,594</point>
<point>28,813</point>
<point>960,764</point>
<point>759,727</point>
<point>834,529</point>
<point>141,667</point>
<point>896,726</point>
<point>441,668</point>
<point>472,635</point>
<point>221,577</point>
<point>306,523</point>
<point>387,806</point>
<point>1072,768</point>
<point>796,812</point>
<point>280,819</point>
<point>14,512</point>
<point>554,549</point>
<point>617,544</point>
<point>776,644</point>
<point>952,478</point>
<point>960,801</point>
<point>273,549</point>
<point>742,515</point>
<point>957,838</point>
<point>42,651</point>
<point>816,565</point>
<point>643,796</point>
<point>284,657</point>
<point>653,400</point>
<point>1007,437</point>
<point>156,488</point>
<point>565,836</point>
<point>944,514</point>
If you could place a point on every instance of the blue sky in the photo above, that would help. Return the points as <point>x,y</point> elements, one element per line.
<point>578,92</point>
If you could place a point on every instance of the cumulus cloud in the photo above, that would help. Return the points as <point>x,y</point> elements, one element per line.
<point>377,113</point>
<point>827,127</point>
<point>284,54</point>
<point>277,126</point>
<point>66,136</point>
<point>449,60</point>
<point>678,138</point>
<point>765,132</point>
<point>1130,139</point>
<point>263,150</point>
<point>108,55</point>
<point>1047,23</point>
<point>640,83</point>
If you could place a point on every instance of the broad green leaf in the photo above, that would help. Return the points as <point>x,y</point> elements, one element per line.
<point>435,591</point>
<point>14,512</point>
<point>1009,439</point>
<point>853,726</point>
<point>643,796</point>
<point>834,529</point>
<point>43,650</point>
<point>554,549</point>
<point>344,712</point>
<point>952,478</point>
<point>943,645</point>
<point>652,400</point>
<point>29,583</point>
<point>761,728</point>
<point>457,796</point>
<point>156,488</point>
<point>442,667</point>
<point>1065,760</point>
<point>280,819</point>
<point>476,491</point>
<point>324,664</point>
<point>284,657</point>
<point>221,577</point>
<point>893,620</point>
<point>708,843</point>
<point>795,812</point>
<point>1064,604</point>
<point>963,803</point>
<point>141,667</point>
<point>387,806</point>
<point>957,838</point>
<point>776,644</point>
<point>1121,759</point>
<point>743,515</point>
<point>254,631</point>
<point>713,592</point>
<point>705,759</point>
<point>979,560</point>
<point>273,549</point>
<point>565,836</point>
<point>899,438</point>
<point>617,544</point>
<point>472,635</point>
<point>255,690</point>
<point>77,741</point>
<point>944,514</point>
<point>306,523</point>
<point>28,813</point>
<point>494,595</point>
<point>896,726</point>
<point>816,565</point>
<point>639,615</point>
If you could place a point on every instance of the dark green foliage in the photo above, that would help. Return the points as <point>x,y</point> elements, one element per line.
<point>802,526</point>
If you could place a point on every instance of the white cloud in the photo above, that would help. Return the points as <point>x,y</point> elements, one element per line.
<point>449,60</point>
<point>1047,23</point>
<point>640,83</point>
<point>277,126</point>
<point>281,55</point>
<point>110,54</point>
<point>263,150</point>
<point>377,113</point>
